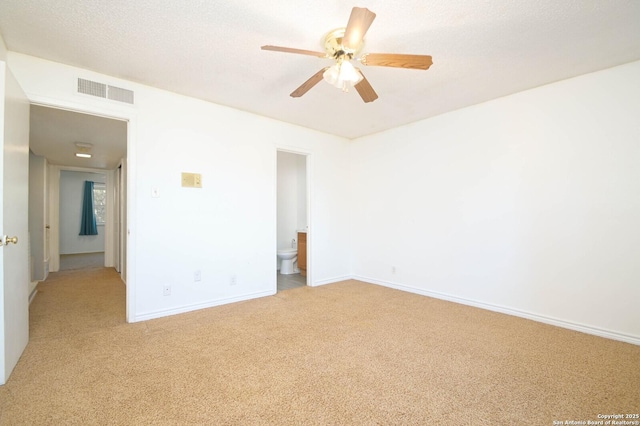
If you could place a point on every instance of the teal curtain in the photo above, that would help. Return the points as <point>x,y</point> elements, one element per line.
<point>88,223</point>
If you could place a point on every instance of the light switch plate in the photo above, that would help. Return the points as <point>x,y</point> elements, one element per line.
<point>191,180</point>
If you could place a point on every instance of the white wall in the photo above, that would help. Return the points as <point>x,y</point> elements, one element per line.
<point>3,50</point>
<point>301,178</point>
<point>37,215</point>
<point>71,199</point>
<point>527,204</point>
<point>225,229</point>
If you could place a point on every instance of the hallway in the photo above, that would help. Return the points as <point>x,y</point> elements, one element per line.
<point>70,262</point>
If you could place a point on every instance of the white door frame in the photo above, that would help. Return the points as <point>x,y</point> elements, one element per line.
<point>129,169</point>
<point>115,208</point>
<point>124,207</point>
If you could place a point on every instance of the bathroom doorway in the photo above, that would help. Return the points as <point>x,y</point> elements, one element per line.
<point>292,220</point>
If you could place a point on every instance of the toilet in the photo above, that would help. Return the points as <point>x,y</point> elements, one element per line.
<point>288,257</point>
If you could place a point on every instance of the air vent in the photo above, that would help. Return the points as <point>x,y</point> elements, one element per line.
<point>120,95</point>
<point>105,91</point>
<point>92,88</point>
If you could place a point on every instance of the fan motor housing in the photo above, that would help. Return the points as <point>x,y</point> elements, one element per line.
<point>333,45</point>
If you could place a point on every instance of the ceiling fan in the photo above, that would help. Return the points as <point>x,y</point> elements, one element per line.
<point>342,45</point>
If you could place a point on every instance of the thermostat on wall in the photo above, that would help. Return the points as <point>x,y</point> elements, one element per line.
<point>191,180</point>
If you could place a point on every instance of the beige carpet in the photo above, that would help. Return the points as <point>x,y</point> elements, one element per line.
<point>345,353</point>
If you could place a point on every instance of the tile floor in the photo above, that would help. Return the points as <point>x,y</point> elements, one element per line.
<point>286,282</point>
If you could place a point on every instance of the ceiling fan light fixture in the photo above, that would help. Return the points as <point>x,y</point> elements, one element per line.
<point>343,45</point>
<point>342,75</point>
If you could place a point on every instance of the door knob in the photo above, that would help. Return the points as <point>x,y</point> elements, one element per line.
<point>13,240</point>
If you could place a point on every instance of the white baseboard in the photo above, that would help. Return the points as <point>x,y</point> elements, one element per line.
<point>32,295</point>
<point>217,302</point>
<point>84,252</point>
<point>198,306</point>
<point>635,340</point>
<point>332,280</point>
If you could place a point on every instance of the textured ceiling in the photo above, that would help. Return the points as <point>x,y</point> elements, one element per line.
<point>211,50</point>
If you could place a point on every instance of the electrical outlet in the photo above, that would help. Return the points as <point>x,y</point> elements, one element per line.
<point>234,280</point>
<point>166,290</point>
<point>393,269</point>
<point>197,276</point>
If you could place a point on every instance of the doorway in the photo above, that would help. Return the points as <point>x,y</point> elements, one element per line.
<point>81,251</point>
<point>56,137</point>
<point>293,266</point>
<point>18,145</point>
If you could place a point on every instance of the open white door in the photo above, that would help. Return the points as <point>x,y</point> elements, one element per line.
<point>14,192</point>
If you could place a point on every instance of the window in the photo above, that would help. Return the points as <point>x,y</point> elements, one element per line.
<point>100,202</point>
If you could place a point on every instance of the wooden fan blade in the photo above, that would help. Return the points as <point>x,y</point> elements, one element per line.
<point>307,85</point>
<point>292,50</point>
<point>359,22</point>
<point>419,62</point>
<point>365,90</point>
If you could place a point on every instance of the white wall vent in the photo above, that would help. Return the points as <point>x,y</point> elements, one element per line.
<point>105,91</point>
<point>92,88</point>
<point>120,94</point>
